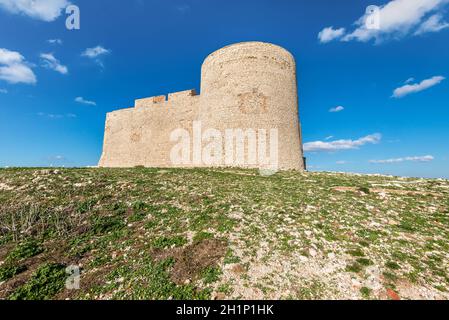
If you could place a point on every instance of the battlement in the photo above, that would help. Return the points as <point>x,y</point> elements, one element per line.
<point>148,102</point>
<point>160,100</point>
<point>182,95</point>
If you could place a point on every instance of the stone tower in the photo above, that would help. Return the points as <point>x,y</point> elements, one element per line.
<point>248,91</point>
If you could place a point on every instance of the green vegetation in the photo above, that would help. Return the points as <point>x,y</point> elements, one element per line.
<point>230,258</point>
<point>221,233</point>
<point>366,292</point>
<point>48,280</point>
<point>356,253</point>
<point>202,236</point>
<point>211,275</point>
<point>8,271</point>
<point>355,267</point>
<point>169,242</point>
<point>156,278</point>
<point>365,190</point>
<point>364,262</point>
<point>392,265</point>
<point>24,250</point>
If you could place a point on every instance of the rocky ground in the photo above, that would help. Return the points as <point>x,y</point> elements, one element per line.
<point>221,234</point>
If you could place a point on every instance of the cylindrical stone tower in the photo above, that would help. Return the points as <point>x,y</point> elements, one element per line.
<point>253,85</point>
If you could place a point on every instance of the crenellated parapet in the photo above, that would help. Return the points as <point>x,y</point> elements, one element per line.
<point>182,95</point>
<point>150,102</point>
<point>159,101</point>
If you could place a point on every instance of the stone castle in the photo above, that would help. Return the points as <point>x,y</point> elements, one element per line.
<point>248,87</point>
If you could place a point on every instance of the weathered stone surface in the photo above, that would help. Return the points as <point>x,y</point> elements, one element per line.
<point>250,85</point>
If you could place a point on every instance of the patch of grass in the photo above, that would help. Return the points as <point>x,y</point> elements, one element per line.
<point>137,216</point>
<point>441,288</point>
<point>366,292</point>
<point>86,206</point>
<point>102,224</point>
<point>200,236</point>
<point>225,224</point>
<point>151,225</point>
<point>356,253</point>
<point>139,206</point>
<point>392,265</point>
<point>225,288</point>
<point>118,208</point>
<point>139,211</point>
<point>150,280</point>
<point>364,262</point>
<point>413,276</point>
<point>211,275</point>
<point>79,246</point>
<point>364,243</point>
<point>99,261</point>
<point>355,267</point>
<point>369,236</point>
<point>47,281</point>
<point>230,258</point>
<point>25,250</point>
<point>312,290</point>
<point>5,239</point>
<point>390,276</point>
<point>365,190</point>
<point>406,226</point>
<point>9,271</point>
<point>168,242</point>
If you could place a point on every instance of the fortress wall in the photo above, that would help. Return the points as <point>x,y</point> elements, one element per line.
<point>253,85</point>
<point>141,136</point>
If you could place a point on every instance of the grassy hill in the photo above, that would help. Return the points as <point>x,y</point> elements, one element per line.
<point>222,234</point>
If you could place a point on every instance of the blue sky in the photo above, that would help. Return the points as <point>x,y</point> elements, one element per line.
<point>54,95</point>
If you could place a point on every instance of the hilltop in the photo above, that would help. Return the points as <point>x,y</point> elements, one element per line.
<point>222,234</point>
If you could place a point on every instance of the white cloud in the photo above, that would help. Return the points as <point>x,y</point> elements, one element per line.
<point>434,24</point>
<point>4,91</point>
<point>95,52</point>
<point>17,73</point>
<point>342,162</point>
<point>84,101</point>
<point>409,80</point>
<point>399,18</point>
<point>14,68</point>
<point>417,87</point>
<point>46,10</point>
<point>337,109</point>
<point>54,41</point>
<point>342,144</point>
<point>398,160</point>
<point>328,137</point>
<point>49,61</point>
<point>329,34</point>
<point>56,116</point>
